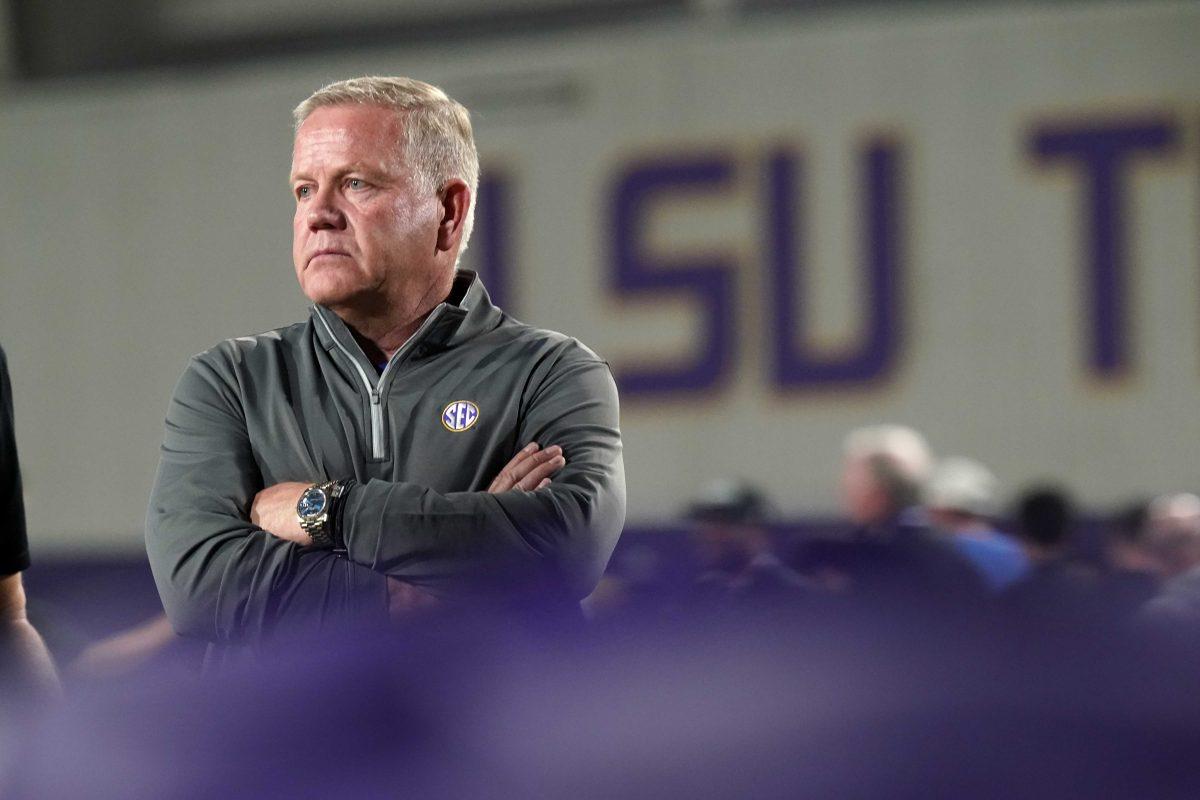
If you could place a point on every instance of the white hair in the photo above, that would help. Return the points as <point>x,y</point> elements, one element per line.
<point>438,143</point>
<point>897,443</point>
<point>898,456</point>
<point>1173,521</point>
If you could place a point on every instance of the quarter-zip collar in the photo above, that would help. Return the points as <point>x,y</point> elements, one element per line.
<point>464,314</point>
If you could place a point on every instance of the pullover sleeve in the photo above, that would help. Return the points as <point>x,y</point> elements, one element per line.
<point>555,540</point>
<point>221,578</point>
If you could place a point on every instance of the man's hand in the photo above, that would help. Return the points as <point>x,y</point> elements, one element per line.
<point>20,645</point>
<point>12,598</point>
<point>274,510</point>
<point>529,469</point>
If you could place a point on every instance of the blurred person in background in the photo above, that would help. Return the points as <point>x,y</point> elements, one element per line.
<point>1045,518</point>
<point>728,560</point>
<point>26,669</point>
<point>893,552</point>
<point>961,499</point>
<point>1057,592</point>
<point>884,470</point>
<point>634,585</point>
<point>1128,546</point>
<point>395,451</point>
<point>1172,523</point>
<point>733,546</point>
<point>1173,531</point>
<point>1134,571</point>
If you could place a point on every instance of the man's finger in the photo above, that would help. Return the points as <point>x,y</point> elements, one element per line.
<point>523,454</point>
<point>505,479</point>
<point>540,473</point>
<point>527,469</point>
<point>519,470</point>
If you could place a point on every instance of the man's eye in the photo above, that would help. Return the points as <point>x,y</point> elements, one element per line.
<point>356,183</point>
<point>303,192</point>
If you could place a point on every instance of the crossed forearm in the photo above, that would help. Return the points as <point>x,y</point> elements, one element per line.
<point>274,508</point>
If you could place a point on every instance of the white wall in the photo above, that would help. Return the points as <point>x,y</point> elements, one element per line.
<point>144,220</point>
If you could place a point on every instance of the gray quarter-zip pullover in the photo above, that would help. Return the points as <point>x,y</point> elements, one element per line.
<point>424,439</point>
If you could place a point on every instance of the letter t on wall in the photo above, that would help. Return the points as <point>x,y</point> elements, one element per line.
<point>1101,151</point>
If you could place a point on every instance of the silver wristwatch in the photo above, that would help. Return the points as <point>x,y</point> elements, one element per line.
<point>315,509</point>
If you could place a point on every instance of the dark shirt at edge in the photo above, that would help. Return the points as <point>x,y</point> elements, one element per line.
<point>14,546</point>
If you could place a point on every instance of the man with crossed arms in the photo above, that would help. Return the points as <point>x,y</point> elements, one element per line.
<point>410,443</point>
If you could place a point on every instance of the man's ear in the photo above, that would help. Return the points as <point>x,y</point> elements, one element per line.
<point>455,201</point>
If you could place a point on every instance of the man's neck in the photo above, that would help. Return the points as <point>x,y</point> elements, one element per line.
<point>383,329</point>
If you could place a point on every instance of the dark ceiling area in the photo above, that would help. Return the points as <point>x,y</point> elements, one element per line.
<point>67,38</point>
<point>54,39</point>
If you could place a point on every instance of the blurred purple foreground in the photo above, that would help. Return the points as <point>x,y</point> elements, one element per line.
<point>769,701</point>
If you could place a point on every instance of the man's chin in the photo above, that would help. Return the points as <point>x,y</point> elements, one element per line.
<point>326,292</point>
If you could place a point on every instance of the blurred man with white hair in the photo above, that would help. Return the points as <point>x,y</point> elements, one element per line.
<point>1173,523</point>
<point>961,500</point>
<point>883,472</point>
<point>893,554</point>
<point>1173,530</point>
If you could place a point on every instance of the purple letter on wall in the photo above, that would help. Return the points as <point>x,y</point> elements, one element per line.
<point>708,279</point>
<point>1101,151</point>
<point>794,364</point>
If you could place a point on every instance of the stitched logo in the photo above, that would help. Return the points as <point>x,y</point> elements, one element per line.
<point>460,415</point>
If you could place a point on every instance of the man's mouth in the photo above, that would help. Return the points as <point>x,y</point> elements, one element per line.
<point>327,252</point>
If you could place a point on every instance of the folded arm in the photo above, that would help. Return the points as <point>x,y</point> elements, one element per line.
<point>527,535</point>
<point>222,578</point>
<point>554,540</point>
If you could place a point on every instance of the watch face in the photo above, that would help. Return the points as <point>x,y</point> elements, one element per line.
<point>312,503</point>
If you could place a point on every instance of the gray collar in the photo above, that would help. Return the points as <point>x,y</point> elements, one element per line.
<point>465,313</point>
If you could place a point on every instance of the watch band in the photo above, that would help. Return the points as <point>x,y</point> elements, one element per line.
<point>338,514</point>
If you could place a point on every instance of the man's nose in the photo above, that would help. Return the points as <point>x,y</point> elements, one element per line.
<point>324,213</point>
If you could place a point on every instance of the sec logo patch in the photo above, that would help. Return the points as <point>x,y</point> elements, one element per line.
<point>460,415</point>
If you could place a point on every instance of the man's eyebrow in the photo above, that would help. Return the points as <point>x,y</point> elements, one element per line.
<point>357,166</point>
<point>365,168</point>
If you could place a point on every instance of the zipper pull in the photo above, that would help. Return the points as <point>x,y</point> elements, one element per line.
<point>376,424</point>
